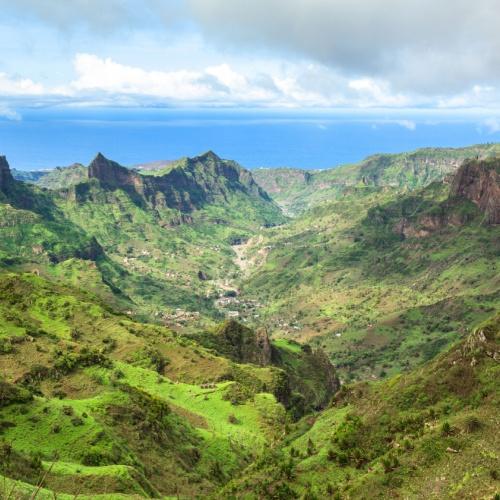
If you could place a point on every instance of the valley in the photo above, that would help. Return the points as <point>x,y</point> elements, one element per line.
<point>195,329</point>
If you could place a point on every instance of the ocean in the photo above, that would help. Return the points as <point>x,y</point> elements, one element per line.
<point>46,138</point>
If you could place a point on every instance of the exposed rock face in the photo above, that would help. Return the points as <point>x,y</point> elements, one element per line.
<point>483,341</point>
<point>111,174</point>
<point>479,182</point>
<point>427,224</point>
<point>187,187</point>
<point>332,382</point>
<point>241,344</point>
<point>6,178</point>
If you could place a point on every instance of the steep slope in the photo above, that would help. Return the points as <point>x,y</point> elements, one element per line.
<point>381,280</point>
<point>479,182</point>
<point>92,402</point>
<point>175,228</point>
<point>311,378</point>
<point>431,433</point>
<point>153,230</point>
<point>296,190</point>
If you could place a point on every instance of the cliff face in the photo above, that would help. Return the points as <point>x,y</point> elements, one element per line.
<point>479,182</point>
<point>242,345</point>
<point>6,178</point>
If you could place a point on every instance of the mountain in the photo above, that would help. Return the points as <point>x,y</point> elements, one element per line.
<point>31,176</point>
<point>296,190</point>
<point>479,182</point>
<point>186,187</point>
<point>152,230</point>
<point>383,279</point>
<point>169,332</point>
<point>6,178</point>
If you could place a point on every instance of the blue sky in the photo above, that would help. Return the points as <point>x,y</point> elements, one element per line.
<point>381,57</point>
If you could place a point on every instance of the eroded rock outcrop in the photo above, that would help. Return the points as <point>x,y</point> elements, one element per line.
<point>243,345</point>
<point>479,182</point>
<point>6,178</point>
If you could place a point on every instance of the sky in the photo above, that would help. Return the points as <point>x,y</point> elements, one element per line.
<point>441,56</point>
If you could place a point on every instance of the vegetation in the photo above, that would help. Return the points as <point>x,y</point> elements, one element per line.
<point>120,378</point>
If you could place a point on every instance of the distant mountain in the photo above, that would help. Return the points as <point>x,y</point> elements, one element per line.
<point>187,186</point>
<point>165,239</point>
<point>31,176</point>
<point>296,190</point>
<point>153,165</point>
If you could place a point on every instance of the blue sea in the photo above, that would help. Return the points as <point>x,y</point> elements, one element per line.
<point>45,138</point>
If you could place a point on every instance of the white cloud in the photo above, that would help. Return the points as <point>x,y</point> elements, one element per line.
<point>492,125</point>
<point>19,86</point>
<point>409,124</point>
<point>372,93</point>
<point>106,75</point>
<point>101,81</point>
<point>10,114</point>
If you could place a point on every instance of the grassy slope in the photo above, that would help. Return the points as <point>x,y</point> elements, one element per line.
<point>151,261</point>
<point>297,190</point>
<point>145,243</point>
<point>431,433</point>
<point>118,400</point>
<point>341,276</point>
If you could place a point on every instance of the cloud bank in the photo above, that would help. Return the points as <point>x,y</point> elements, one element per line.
<point>437,54</point>
<point>423,46</point>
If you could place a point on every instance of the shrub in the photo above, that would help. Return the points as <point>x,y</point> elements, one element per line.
<point>472,424</point>
<point>67,410</point>
<point>445,429</point>
<point>94,457</point>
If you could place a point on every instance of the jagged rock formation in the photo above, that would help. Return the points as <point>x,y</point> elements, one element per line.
<point>6,178</point>
<point>479,182</point>
<point>109,172</point>
<point>191,184</point>
<point>242,345</point>
<point>483,341</point>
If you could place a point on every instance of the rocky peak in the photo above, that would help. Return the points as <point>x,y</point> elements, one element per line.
<point>5,174</point>
<point>109,172</point>
<point>479,182</point>
<point>208,155</point>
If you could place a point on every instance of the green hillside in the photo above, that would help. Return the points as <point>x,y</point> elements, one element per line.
<point>165,246</point>
<point>92,402</point>
<point>296,190</point>
<point>428,434</point>
<point>380,279</point>
<point>167,332</point>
